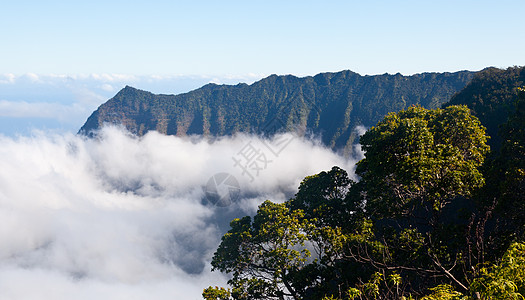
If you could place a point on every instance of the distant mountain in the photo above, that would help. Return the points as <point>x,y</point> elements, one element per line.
<point>491,96</point>
<point>329,105</point>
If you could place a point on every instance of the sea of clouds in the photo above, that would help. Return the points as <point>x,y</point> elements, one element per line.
<point>122,217</point>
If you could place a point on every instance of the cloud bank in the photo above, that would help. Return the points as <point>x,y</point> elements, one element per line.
<point>121,217</point>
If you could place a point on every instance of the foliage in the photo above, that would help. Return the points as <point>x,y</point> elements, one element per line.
<point>510,165</point>
<point>420,170</point>
<point>491,95</point>
<point>444,292</point>
<point>504,193</point>
<point>505,280</point>
<point>416,224</point>
<point>421,157</point>
<point>216,293</point>
<point>265,254</point>
<point>292,249</point>
<point>322,198</point>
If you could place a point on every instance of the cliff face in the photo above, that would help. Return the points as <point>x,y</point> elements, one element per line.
<point>330,105</point>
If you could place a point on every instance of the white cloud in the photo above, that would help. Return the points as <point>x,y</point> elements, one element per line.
<point>33,77</point>
<point>215,81</point>
<point>57,111</point>
<point>359,153</point>
<point>104,77</point>
<point>7,78</point>
<point>361,130</point>
<point>126,217</point>
<point>107,87</point>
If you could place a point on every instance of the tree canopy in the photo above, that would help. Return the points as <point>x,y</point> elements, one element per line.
<point>415,224</point>
<point>422,158</point>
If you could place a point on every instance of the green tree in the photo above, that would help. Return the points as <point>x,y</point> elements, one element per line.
<point>216,293</point>
<point>322,198</point>
<point>421,158</point>
<point>444,292</point>
<point>505,280</point>
<point>404,227</point>
<point>336,220</point>
<point>291,250</point>
<point>420,169</point>
<point>504,193</point>
<point>511,170</point>
<point>264,255</point>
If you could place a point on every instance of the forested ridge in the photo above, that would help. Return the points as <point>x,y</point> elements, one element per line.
<point>328,105</point>
<point>437,213</point>
<point>491,96</point>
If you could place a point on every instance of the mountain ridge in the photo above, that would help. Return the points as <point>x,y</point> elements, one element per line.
<point>330,105</point>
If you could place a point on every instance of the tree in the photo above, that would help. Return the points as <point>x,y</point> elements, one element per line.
<point>444,292</point>
<point>420,169</point>
<point>264,255</point>
<point>504,193</point>
<point>290,250</point>
<point>510,167</point>
<point>322,198</point>
<point>421,158</point>
<point>505,280</point>
<point>216,293</point>
<point>398,231</point>
<point>336,219</point>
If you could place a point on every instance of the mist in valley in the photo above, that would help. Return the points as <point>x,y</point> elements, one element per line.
<point>117,216</point>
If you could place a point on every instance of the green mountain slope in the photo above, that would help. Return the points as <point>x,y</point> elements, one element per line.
<point>329,105</point>
<point>491,96</point>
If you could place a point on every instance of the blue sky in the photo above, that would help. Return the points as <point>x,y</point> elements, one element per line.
<point>262,37</point>
<point>192,42</point>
